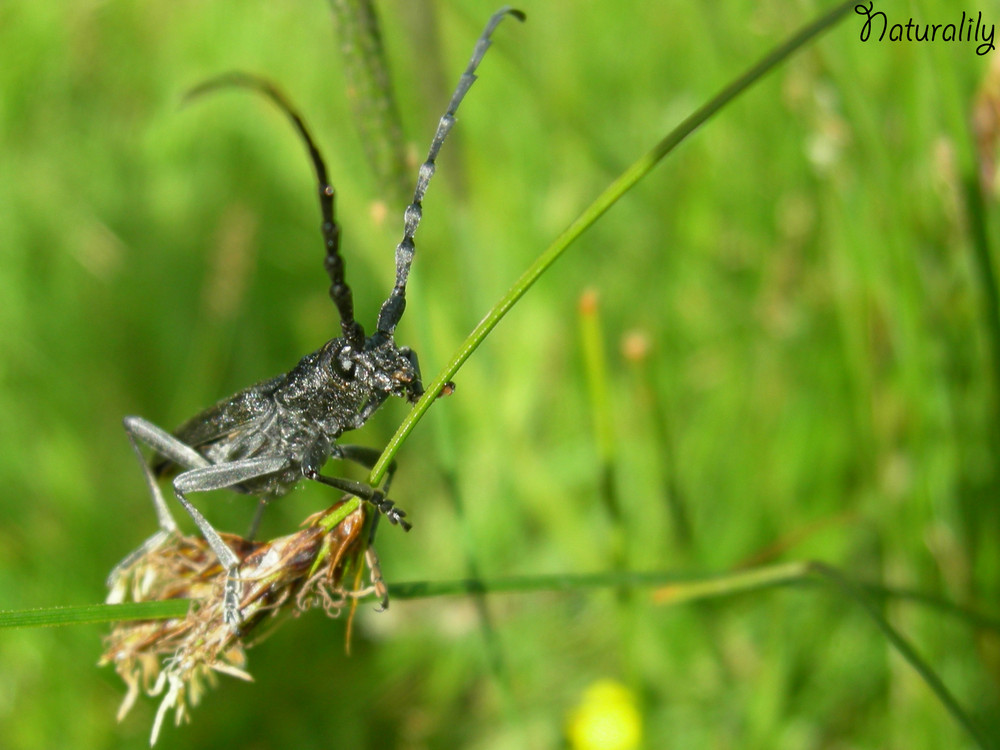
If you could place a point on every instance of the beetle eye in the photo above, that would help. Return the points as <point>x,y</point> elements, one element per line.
<point>344,362</point>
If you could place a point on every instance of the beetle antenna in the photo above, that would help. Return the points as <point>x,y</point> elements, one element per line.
<point>392,308</point>
<point>340,292</point>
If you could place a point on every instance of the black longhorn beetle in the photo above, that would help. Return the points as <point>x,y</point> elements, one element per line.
<point>264,439</point>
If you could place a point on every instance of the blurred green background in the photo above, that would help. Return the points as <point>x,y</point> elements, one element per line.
<point>820,380</point>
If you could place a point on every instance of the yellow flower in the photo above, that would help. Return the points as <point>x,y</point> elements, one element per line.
<point>606,718</point>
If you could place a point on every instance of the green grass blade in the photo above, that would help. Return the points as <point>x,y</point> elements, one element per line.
<point>592,213</point>
<point>700,586</point>
<point>92,613</point>
<point>683,587</point>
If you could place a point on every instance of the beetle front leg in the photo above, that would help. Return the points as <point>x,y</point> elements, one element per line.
<point>368,457</point>
<point>377,498</point>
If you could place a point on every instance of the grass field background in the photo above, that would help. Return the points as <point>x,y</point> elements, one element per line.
<point>820,376</point>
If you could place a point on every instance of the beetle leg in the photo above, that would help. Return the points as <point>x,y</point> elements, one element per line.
<point>376,497</point>
<point>201,475</point>
<point>217,477</point>
<point>164,444</point>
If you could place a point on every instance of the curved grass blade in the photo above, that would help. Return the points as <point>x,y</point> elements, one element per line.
<point>592,213</point>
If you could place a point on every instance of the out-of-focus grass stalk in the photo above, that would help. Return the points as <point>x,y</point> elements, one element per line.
<point>596,373</point>
<point>636,352</point>
<point>369,92</point>
<point>444,453</point>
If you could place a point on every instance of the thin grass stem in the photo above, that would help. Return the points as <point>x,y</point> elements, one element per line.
<point>619,187</point>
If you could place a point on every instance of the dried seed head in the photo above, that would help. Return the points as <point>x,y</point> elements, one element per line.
<point>179,657</point>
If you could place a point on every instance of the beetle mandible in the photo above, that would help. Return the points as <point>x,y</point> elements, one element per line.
<point>263,440</point>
